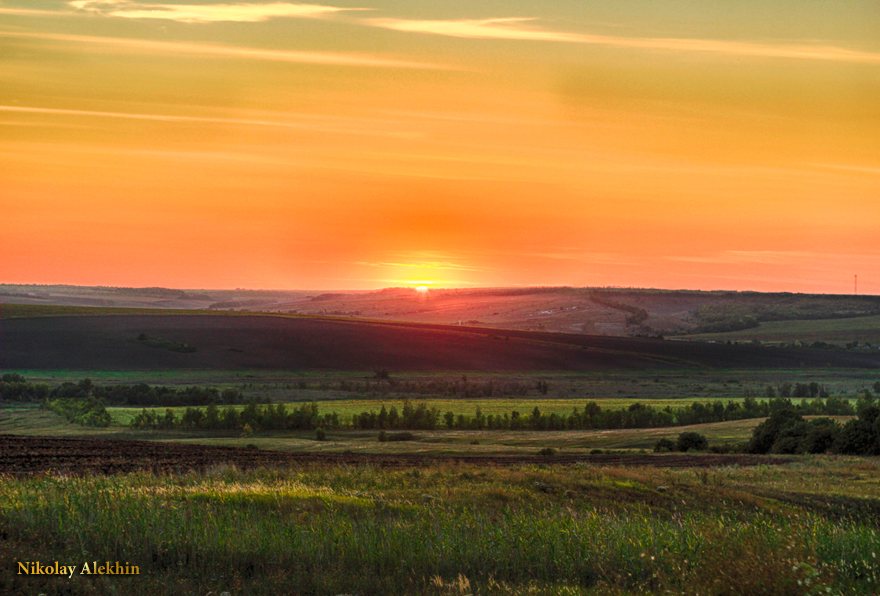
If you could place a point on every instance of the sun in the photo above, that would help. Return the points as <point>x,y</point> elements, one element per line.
<point>421,289</point>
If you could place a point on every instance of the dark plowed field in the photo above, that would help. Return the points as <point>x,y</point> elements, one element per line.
<point>265,342</point>
<point>21,455</point>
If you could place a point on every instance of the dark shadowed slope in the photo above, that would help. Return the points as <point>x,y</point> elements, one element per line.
<point>225,342</point>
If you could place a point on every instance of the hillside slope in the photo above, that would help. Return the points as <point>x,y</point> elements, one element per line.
<point>297,343</point>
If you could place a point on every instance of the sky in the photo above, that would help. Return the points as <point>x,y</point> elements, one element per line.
<point>363,144</point>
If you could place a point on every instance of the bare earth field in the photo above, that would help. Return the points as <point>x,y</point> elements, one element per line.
<point>30,455</point>
<point>297,343</point>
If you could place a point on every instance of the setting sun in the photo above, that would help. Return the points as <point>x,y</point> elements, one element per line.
<point>514,144</point>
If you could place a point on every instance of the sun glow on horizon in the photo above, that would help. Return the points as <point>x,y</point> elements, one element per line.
<point>292,145</point>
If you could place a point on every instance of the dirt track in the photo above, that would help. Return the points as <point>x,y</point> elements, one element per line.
<point>22,455</point>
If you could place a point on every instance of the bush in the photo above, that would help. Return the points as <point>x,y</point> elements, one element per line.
<point>88,412</point>
<point>664,446</point>
<point>691,441</point>
<point>547,452</point>
<point>404,436</point>
<point>320,435</point>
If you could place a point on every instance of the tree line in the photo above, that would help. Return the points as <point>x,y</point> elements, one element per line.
<point>423,416</point>
<point>253,416</point>
<point>593,416</point>
<point>15,387</point>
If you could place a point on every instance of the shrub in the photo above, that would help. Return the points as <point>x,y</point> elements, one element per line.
<point>88,412</point>
<point>691,441</point>
<point>664,446</point>
<point>547,452</point>
<point>320,435</point>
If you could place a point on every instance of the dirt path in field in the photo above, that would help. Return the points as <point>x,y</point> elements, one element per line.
<point>23,455</point>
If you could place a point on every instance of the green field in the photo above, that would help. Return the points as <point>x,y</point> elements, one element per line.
<point>837,331</point>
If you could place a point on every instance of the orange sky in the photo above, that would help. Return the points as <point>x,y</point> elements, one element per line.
<point>361,145</point>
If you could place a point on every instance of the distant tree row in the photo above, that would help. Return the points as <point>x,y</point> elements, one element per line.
<point>14,387</point>
<point>384,384</point>
<point>593,416</point>
<point>423,416</point>
<point>253,416</point>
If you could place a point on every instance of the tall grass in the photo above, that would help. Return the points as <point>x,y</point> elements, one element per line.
<point>367,531</point>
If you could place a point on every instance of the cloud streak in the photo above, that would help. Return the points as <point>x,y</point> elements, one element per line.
<point>332,125</point>
<point>219,51</point>
<point>28,12</point>
<point>743,257</point>
<point>424,265</point>
<point>519,29</point>
<point>204,13</point>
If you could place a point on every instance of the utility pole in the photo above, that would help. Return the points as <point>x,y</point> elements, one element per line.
<point>857,285</point>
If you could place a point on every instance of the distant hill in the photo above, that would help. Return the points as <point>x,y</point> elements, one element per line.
<point>592,311</point>
<point>215,341</point>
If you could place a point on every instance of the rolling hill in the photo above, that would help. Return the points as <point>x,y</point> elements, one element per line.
<point>217,341</point>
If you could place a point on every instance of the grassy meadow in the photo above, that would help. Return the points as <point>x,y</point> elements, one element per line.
<point>803,528</point>
<point>837,331</point>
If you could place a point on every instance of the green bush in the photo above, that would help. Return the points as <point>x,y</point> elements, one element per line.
<point>88,412</point>
<point>691,441</point>
<point>664,446</point>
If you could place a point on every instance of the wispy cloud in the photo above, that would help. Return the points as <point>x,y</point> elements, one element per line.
<point>212,50</point>
<point>508,28</point>
<point>761,257</point>
<point>521,29</point>
<point>596,258</point>
<point>29,12</point>
<point>324,124</point>
<point>847,168</point>
<point>422,265</point>
<point>204,13</point>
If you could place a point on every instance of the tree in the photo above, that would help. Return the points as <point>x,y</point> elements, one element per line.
<point>766,433</point>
